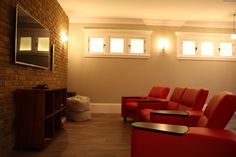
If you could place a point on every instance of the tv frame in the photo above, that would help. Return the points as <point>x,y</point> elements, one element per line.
<point>49,53</point>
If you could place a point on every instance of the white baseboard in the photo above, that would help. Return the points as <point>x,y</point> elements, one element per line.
<point>105,107</point>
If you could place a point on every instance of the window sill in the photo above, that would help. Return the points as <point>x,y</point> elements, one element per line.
<point>207,58</point>
<point>142,56</point>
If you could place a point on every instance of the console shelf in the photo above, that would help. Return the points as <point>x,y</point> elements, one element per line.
<point>40,116</point>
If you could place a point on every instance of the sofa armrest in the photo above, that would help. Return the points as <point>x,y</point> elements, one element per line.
<point>132,97</point>
<point>187,118</point>
<point>149,100</point>
<point>170,112</point>
<point>164,128</point>
<point>195,142</point>
<point>154,104</point>
<point>126,99</point>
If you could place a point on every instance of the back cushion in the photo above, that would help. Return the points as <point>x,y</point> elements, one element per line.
<point>177,94</point>
<point>189,97</point>
<point>159,92</point>
<point>220,109</point>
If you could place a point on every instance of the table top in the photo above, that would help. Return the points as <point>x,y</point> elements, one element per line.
<point>170,112</point>
<point>164,128</point>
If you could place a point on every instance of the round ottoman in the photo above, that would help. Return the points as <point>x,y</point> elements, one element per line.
<point>78,108</point>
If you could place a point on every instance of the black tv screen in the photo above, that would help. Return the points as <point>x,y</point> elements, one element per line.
<point>32,41</point>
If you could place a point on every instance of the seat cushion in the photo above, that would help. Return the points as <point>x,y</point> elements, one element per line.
<point>190,97</point>
<point>131,106</point>
<point>184,107</point>
<point>172,105</point>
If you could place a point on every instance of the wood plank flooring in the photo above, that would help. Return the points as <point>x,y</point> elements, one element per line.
<point>106,135</point>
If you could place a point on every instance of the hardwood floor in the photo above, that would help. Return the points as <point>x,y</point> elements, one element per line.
<point>106,135</point>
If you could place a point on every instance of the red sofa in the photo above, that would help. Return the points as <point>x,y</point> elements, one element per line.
<point>131,105</point>
<point>164,140</point>
<point>217,114</point>
<point>181,99</point>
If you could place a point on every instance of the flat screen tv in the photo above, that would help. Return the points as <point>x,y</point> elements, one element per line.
<point>32,41</point>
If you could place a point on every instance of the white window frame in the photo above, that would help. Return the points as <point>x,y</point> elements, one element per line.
<point>216,38</point>
<point>117,33</point>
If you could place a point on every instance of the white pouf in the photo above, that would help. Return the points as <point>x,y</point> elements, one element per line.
<point>78,108</point>
<point>79,116</point>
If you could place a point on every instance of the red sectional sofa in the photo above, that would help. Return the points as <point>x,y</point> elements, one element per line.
<point>208,137</point>
<point>217,114</point>
<point>181,99</point>
<point>131,105</point>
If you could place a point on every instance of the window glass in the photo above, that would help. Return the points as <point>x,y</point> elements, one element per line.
<point>188,47</point>
<point>25,43</point>
<point>226,49</point>
<point>136,45</point>
<point>207,48</point>
<point>96,45</point>
<point>43,44</point>
<point>116,45</point>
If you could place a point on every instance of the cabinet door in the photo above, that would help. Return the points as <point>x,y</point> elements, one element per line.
<point>29,119</point>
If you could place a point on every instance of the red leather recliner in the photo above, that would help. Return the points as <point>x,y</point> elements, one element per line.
<point>181,99</point>
<point>164,140</point>
<point>130,106</point>
<point>217,114</point>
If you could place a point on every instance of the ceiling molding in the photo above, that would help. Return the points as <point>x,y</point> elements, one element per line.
<point>204,24</point>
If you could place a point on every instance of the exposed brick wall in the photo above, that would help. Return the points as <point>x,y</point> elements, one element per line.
<point>13,76</point>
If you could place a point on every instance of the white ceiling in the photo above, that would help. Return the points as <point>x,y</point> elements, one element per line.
<point>220,11</point>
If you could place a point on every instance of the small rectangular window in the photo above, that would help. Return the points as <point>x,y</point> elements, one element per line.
<point>188,47</point>
<point>43,44</point>
<point>207,48</point>
<point>25,44</point>
<point>226,49</point>
<point>96,45</point>
<point>136,45</point>
<point>117,45</point>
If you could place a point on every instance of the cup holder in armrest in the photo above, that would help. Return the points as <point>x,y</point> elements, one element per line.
<point>164,128</point>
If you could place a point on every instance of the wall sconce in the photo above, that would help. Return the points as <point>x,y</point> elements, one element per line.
<point>163,44</point>
<point>233,36</point>
<point>64,38</point>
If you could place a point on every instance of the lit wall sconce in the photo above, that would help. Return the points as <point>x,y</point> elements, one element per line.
<point>64,38</point>
<point>163,44</point>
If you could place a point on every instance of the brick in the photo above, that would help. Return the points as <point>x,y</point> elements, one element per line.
<point>13,76</point>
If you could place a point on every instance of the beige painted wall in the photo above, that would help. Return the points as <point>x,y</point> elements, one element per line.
<point>105,80</point>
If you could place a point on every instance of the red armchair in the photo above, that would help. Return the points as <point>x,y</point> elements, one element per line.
<point>181,99</point>
<point>164,140</point>
<point>217,114</point>
<point>131,105</point>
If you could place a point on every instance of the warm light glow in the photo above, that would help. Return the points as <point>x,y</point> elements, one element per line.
<point>96,45</point>
<point>64,37</point>
<point>43,44</point>
<point>117,45</point>
<point>207,48</point>
<point>226,49</point>
<point>163,44</point>
<point>136,45</point>
<point>233,36</point>
<point>188,47</point>
<point>25,43</point>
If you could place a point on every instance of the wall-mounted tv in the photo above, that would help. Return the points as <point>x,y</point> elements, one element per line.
<point>32,41</point>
